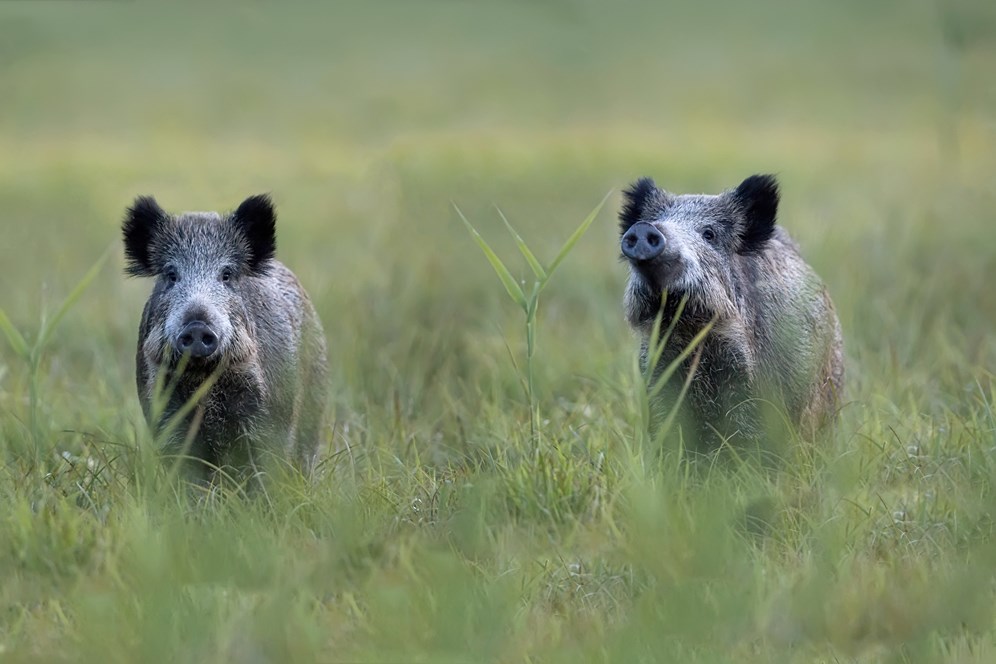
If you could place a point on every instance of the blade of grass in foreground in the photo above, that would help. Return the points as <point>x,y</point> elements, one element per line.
<point>665,376</point>
<point>74,295</point>
<point>575,236</point>
<point>507,280</point>
<point>524,249</point>
<point>14,337</point>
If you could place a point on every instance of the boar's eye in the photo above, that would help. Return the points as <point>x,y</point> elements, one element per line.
<point>172,276</point>
<point>709,235</point>
<point>227,274</point>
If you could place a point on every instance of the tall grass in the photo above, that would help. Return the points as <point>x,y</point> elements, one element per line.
<point>530,303</point>
<point>32,353</point>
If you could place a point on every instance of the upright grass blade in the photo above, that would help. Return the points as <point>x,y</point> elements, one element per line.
<point>529,304</point>
<point>507,280</point>
<point>575,236</point>
<point>14,338</point>
<point>658,340</point>
<point>176,419</point>
<point>652,386</point>
<point>49,325</point>
<point>673,413</point>
<point>518,372</point>
<point>665,376</point>
<point>31,354</point>
<point>166,383</point>
<point>674,319</point>
<point>524,249</point>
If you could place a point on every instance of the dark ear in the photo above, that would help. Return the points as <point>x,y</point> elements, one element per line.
<point>635,200</point>
<point>757,197</point>
<point>256,219</point>
<point>141,223</point>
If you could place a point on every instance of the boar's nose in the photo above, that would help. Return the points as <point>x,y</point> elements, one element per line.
<point>642,242</point>
<point>197,339</point>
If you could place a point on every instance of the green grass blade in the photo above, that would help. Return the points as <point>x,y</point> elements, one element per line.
<point>673,366</point>
<point>176,419</point>
<point>674,319</point>
<point>524,249</point>
<point>655,345</point>
<point>519,374</point>
<point>49,326</point>
<point>658,339</point>
<point>575,236</point>
<point>511,285</point>
<point>14,337</point>
<point>669,421</point>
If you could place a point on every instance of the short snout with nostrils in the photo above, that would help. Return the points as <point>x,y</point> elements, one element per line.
<point>197,339</point>
<point>642,242</point>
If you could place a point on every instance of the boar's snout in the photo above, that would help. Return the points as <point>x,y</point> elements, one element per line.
<point>197,339</point>
<point>642,242</point>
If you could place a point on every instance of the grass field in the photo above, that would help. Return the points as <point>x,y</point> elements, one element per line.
<point>437,528</point>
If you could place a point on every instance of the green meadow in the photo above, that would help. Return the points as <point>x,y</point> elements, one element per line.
<point>439,526</point>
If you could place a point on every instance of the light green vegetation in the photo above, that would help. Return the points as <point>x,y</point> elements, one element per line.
<point>438,527</point>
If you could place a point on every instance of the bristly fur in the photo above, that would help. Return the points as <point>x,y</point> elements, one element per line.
<point>141,222</point>
<point>636,198</point>
<point>269,364</point>
<point>758,198</point>
<point>257,221</point>
<point>776,341</point>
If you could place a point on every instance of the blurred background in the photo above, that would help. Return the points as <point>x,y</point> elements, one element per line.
<point>367,121</point>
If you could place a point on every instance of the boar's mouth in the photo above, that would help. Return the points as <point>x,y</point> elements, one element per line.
<point>201,365</point>
<point>659,273</point>
<point>185,364</point>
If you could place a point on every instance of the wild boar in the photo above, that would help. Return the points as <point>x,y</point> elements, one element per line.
<point>225,311</point>
<point>775,340</point>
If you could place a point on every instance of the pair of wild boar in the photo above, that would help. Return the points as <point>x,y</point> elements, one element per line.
<point>231,362</point>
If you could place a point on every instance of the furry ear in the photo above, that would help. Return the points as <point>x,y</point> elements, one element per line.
<point>635,201</point>
<point>757,197</point>
<point>256,219</point>
<point>141,223</point>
